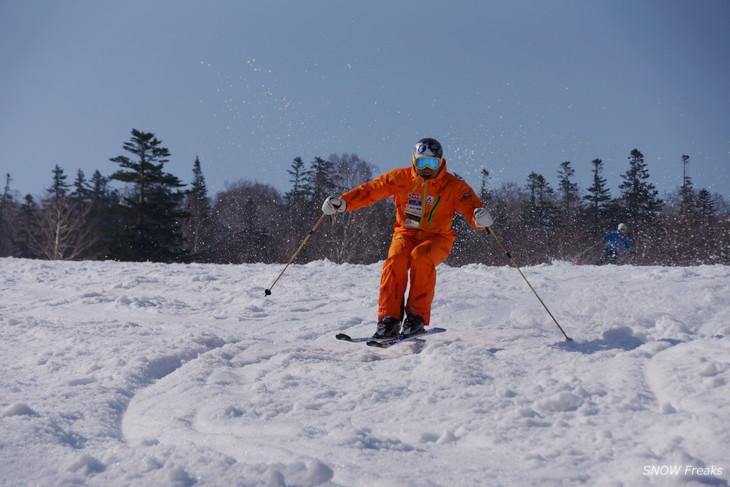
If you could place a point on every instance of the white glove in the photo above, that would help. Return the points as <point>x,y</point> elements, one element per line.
<point>482,218</point>
<point>333,205</point>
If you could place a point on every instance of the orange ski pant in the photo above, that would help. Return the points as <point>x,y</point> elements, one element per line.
<point>410,256</point>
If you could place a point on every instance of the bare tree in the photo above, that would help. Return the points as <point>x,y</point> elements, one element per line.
<point>248,224</point>
<point>62,231</point>
<point>361,236</point>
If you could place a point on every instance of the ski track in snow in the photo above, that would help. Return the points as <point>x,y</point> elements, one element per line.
<point>180,375</point>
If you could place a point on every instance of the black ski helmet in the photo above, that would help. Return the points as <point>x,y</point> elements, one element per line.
<point>428,147</point>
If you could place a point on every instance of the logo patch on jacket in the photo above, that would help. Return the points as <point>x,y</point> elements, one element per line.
<point>414,210</point>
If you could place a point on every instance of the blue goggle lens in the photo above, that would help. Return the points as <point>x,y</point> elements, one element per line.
<point>427,162</point>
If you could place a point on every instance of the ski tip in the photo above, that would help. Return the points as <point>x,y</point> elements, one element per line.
<point>342,336</point>
<point>377,344</point>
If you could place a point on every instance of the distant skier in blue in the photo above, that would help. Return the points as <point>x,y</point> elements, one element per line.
<point>615,241</point>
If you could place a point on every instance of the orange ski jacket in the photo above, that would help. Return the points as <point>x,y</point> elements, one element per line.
<point>421,205</point>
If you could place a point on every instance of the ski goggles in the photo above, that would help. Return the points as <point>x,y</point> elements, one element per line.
<point>427,162</point>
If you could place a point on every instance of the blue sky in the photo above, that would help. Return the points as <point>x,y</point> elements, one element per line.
<point>510,86</point>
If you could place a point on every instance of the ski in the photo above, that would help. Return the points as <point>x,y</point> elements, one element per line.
<point>386,342</point>
<point>389,342</point>
<point>348,338</point>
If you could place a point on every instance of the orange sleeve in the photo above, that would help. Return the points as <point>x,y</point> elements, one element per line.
<point>466,201</point>
<point>368,193</point>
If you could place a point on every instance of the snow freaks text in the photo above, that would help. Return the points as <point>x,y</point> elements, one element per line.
<point>682,470</point>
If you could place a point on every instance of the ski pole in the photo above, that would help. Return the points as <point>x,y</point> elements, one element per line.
<point>514,264</point>
<point>586,250</point>
<point>267,292</point>
<point>576,259</point>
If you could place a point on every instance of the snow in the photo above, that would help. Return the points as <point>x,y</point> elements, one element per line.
<point>141,374</point>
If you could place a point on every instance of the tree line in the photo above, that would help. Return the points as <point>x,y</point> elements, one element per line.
<point>154,217</point>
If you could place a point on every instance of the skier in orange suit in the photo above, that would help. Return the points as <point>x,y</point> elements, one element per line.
<point>426,197</point>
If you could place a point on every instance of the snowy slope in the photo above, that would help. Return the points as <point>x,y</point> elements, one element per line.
<point>117,374</point>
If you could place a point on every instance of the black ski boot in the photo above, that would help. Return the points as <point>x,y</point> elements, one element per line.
<point>413,325</point>
<point>387,327</point>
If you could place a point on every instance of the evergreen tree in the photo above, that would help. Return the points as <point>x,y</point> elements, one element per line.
<point>98,186</point>
<point>101,197</point>
<point>300,175</point>
<point>197,205</point>
<point>687,191</point>
<point>198,186</point>
<point>8,219</point>
<point>81,192</point>
<point>27,231</point>
<point>569,196</point>
<point>705,204</point>
<point>298,200</point>
<point>149,217</point>
<point>598,197</point>
<point>7,197</point>
<point>638,196</point>
<point>59,187</point>
<point>485,195</point>
<point>102,202</point>
<point>540,211</point>
<point>321,181</point>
